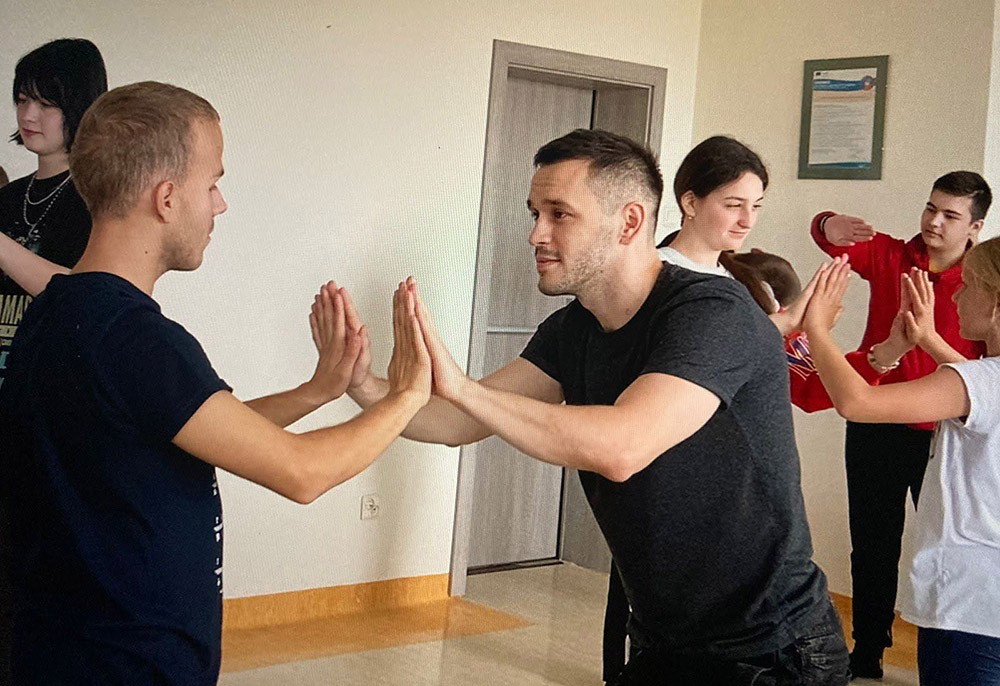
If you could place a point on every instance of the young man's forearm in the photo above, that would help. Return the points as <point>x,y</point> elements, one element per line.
<point>888,353</point>
<point>437,422</point>
<point>225,433</point>
<point>328,457</point>
<point>288,407</point>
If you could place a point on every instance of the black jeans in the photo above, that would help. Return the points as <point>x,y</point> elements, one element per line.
<point>883,462</point>
<point>615,627</point>
<point>817,658</point>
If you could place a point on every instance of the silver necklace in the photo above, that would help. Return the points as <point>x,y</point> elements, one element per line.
<point>33,233</point>
<point>31,182</point>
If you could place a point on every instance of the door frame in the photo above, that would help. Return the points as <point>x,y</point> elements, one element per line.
<point>554,66</point>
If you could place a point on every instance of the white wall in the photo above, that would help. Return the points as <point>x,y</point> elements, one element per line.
<point>750,86</point>
<point>354,150</point>
<point>991,155</point>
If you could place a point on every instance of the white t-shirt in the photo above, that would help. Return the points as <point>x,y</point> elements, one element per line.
<point>668,254</point>
<point>954,580</point>
<point>671,256</point>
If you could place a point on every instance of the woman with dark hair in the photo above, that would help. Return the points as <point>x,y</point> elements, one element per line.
<point>44,224</point>
<point>719,188</point>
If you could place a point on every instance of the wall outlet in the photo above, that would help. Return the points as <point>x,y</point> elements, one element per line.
<point>369,506</point>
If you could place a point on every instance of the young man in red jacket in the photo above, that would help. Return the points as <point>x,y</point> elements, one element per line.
<point>884,460</point>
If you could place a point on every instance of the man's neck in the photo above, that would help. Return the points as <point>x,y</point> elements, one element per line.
<point>688,245</point>
<point>623,289</point>
<point>940,260</point>
<point>126,249</point>
<point>50,165</point>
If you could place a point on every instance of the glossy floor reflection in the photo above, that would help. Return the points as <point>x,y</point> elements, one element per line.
<point>561,646</point>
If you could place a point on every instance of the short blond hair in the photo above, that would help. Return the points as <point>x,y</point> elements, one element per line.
<point>982,265</point>
<point>132,138</point>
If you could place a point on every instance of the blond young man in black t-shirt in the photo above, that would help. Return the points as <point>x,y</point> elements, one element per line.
<point>115,421</point>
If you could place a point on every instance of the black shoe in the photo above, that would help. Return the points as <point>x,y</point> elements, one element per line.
<point>866,663</point>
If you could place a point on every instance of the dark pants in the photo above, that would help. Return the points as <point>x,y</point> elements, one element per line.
<point>955,658</point>
<point>818,658</point>
<point>883,462</point>
<point>615,627</point>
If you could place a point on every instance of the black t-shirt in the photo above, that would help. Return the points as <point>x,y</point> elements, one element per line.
<point>115,533</point>
<point>711,538</point>
<point>60,233</point>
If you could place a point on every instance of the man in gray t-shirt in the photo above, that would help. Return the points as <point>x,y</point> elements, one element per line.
<point>669,392</point>
<point>710,539</point>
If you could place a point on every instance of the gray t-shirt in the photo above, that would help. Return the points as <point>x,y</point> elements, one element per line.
<point>711,538</point>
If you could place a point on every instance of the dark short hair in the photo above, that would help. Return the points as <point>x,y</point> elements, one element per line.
<point>618,165</point>
<point>69,73</point>
<point>713,163</point>
<point>967,184</point>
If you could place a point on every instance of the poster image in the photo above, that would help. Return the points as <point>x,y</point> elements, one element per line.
<point>843,117</point>
<point>843,114</point>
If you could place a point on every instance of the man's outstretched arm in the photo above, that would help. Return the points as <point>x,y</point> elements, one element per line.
<point>615,441</point>
<point>227,434</point>
<point>440,421</point>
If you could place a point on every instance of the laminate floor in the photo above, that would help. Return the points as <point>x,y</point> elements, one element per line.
<point>542,628</point>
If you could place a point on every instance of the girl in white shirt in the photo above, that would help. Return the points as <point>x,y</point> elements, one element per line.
<point>953,589</point>
<point>719,188</point>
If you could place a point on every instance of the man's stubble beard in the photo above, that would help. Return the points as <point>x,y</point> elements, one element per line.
<point>583,273</point>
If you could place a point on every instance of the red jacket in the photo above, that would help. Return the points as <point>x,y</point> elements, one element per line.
<point>880,262</point>
<point>807,391</point>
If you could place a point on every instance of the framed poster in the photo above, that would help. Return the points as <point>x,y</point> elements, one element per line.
<point>843,115</point>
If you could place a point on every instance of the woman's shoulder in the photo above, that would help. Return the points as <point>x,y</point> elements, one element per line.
<point>17,187</point>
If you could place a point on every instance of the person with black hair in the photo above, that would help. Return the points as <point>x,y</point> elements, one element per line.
<point>665,389</point>
<point>884,461</point>
<point>707,188</point>
<point>719,188</point>
<point>44,224</point>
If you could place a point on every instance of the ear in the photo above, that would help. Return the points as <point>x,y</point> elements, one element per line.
<point>634,215</point>
<point>165,200</point>
<point>688,203</point>
<point>974,229</point>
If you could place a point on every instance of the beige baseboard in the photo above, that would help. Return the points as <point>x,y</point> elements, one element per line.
<point>275,609</point>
